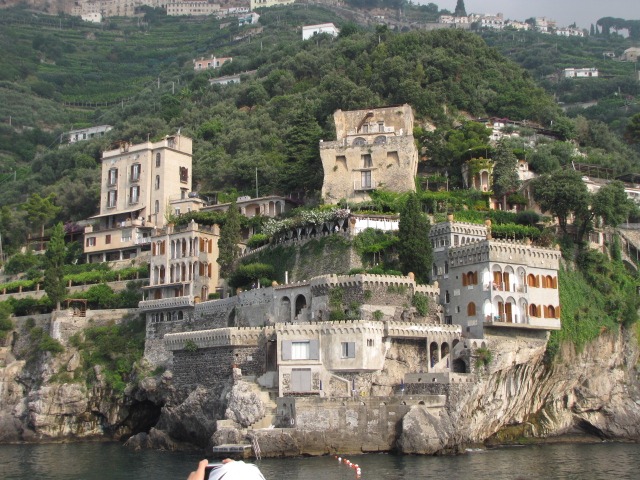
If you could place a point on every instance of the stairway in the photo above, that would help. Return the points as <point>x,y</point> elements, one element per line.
<point>270,407</point>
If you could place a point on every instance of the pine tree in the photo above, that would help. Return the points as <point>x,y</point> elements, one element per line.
<point>228,242</point>
<point>414,247</point>
<point>54,266</point>
<point>505,172</point>
<point>460,11</point>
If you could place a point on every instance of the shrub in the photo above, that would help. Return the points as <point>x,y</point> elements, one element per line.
<point>421,303</point>
<point>257,240</point>
<point>190,346</point>
<point>527,217</point>
<point>378,315</point>
<point>44,342</point>
<point>483,357</point>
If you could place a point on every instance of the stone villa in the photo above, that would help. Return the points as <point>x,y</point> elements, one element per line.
<point>374,148</point>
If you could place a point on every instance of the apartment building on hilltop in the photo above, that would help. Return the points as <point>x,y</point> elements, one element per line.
<point>139,184</point>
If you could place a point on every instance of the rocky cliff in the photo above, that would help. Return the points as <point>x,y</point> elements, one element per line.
<point>517,397</point>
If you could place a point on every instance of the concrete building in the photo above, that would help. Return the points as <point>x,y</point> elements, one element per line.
<point>88,133</point>
<point>580,72</point>
<point>569,32</point>
<point>253,4</point>
<point>374,149</point>
<point>487,283</point>
<point>139,182</point>
<point>180,8</point>
<point>309,31</point>
<point>212,62</point>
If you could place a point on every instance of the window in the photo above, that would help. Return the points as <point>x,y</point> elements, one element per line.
<point>113,177</point>
<point>299,350</point>
<point>134,194</point>
<point>126,236</point>
<point>370,342</point>
<point>112,198</point>
<point>183,193</point>
<point>157,182</point>
<point>365,128</point>
<point>184,174</point>
<point>381,127</point>
<point>135,172</point>
<point>365,177</point>
<point>157,159</point>
<point>91,241</point>
<point>157,206</point>
<point>107,239</point>
<point>447,297</point>
<point>366,161</point>
<point>348,350</point>
<point>471,309</point>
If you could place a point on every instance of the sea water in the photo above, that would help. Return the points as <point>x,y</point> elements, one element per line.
<point>111,461</point>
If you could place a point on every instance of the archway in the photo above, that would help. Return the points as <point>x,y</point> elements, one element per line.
<point>301,302</point>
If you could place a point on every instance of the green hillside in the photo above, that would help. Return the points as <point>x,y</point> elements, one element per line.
<point>137,75</point>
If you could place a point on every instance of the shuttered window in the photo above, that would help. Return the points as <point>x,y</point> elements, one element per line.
<point>300,350</point>
<point>348,349</point>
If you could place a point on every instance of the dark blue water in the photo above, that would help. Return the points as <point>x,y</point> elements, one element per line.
<point>99,461</point>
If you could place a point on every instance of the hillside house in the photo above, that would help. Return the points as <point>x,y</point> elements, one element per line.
<point>309,31</point>
<point>138,184</point>
<point>374,148</point>
<point>210,63</point>
<point>630,54</point>
<point>580,72</point>
<point>88,133</point>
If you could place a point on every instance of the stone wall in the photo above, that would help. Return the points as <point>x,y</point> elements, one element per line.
<point>340,425</point>
<point>211,366</point>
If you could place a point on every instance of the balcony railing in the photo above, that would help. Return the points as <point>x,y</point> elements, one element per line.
<point>364,186</point>
<point>174,302</point>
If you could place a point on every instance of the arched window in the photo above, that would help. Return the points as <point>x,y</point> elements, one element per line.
<point>157,159</point>
<point>446,268</point>
<point>471,309</point>
<point>157,182</point>
<point>531,280</point>
<point>533,310</point>
<point>157,206</point>
<point>447,298</point>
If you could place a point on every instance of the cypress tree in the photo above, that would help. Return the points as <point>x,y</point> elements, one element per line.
<point>460,11</point>
<point>228,242</point>
<point>505,172</point>
<point>414,248</point>
<point>54,267</point>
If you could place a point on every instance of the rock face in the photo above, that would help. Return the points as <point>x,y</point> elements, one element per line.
<point>594,392</point>
<point>245,406</point>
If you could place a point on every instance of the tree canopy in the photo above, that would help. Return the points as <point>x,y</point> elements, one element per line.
<point>414,246</point>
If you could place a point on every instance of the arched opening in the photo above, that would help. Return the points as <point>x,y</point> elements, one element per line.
<point>301,302</point>
<point>433,353</point>
<point>459,366</point>
<point>444,350</point>
<point>471,309</point>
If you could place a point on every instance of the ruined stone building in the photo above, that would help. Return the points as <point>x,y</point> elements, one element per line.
<point>373,149</point>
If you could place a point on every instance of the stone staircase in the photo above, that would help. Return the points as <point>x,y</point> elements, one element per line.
<point>265,396</point>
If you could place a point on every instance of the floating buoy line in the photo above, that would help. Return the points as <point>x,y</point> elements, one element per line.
<point>349,464</point>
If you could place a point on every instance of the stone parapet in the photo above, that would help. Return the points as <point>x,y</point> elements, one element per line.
<point>167,303</point>
<point>219,337</point>
<point>412,330</point>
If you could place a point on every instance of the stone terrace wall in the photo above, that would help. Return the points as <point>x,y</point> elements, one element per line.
<point>346,425</point>
<point>211,366</point>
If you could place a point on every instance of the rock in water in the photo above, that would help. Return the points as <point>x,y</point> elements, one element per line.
<point>424,432</point>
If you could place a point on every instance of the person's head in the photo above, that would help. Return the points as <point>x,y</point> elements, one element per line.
<point>236,471</point>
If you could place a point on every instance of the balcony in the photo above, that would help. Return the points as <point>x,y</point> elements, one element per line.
<point>524,322</point>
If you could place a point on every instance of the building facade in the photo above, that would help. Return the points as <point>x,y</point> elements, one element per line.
<point>138,184</point>
<point>88,133</point>
<point>494,283</point>
<point>212,62</point>
<point>374,149</point>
